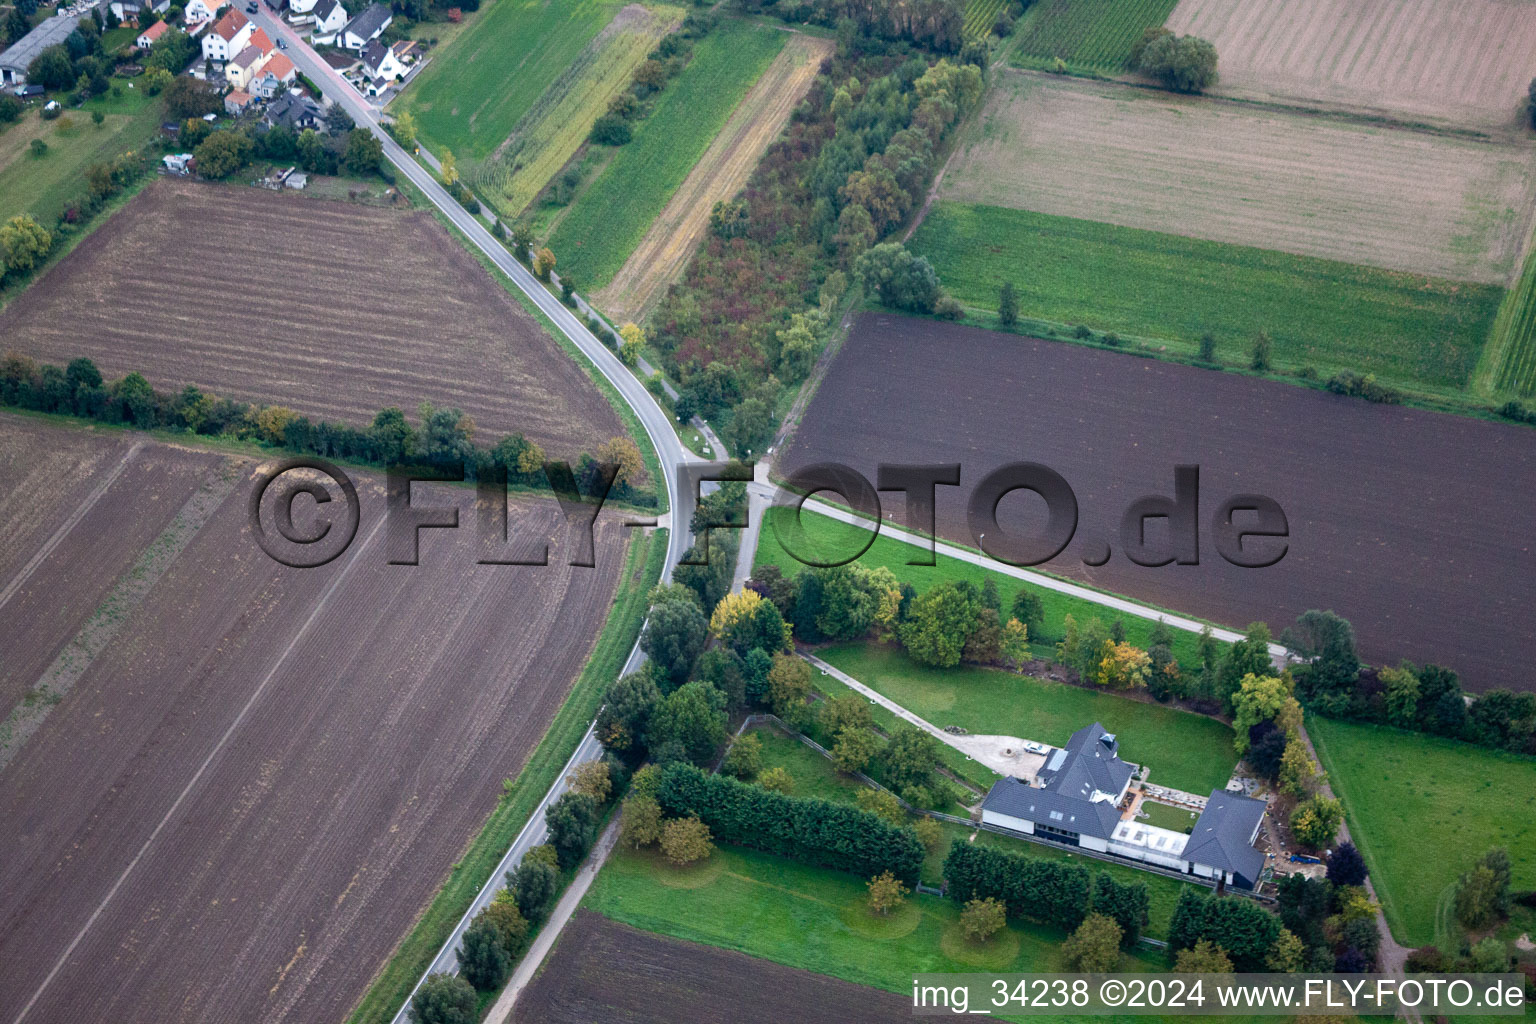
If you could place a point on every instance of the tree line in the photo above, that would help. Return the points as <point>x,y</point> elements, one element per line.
<point>443,438</point>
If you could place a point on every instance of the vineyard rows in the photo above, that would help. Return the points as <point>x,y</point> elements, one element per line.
<point>980,16</point>
<point>1095,34</point>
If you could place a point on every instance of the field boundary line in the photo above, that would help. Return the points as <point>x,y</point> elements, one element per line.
<point>107,620</point>
<point>320,605</point>
<point>69,524</point>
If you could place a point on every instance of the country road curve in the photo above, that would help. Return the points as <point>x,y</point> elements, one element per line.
<point>670,451</point>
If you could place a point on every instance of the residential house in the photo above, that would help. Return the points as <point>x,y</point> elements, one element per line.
<point>147,38</point>
<point>277,72</point>
<point>366,27</point>
<point>201,10</point>
<point>238,102</point>
<point>379,63</point>
<point>244,65</point>
<point>17,57</point>
<point>294,112</point>
<point>301,11</point>
<point>1077,802</point>
<point>127,11</point>
<point>231,34</point>
<point>341,61</point>
<point>330,18</point>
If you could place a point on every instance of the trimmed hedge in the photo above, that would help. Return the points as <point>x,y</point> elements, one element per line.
<point>1047,891</point>
<point>813,832</point>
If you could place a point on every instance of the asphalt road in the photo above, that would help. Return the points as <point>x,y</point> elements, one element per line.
<point>669,450</point>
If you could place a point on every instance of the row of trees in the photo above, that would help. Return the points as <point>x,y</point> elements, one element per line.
<point>616,126</point>
<point>498,936</point>
<point>1051,892</point>
<point>807,830</point>
<point>748,318</point>
<point>441,438</point>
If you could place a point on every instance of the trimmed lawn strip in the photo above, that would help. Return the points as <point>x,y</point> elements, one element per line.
<point>826,535</point>
<point>642,569</point>
<point>612,215</point>
<point>1184,750</point>
<point>1422,809</point>
<point>1319,313</point>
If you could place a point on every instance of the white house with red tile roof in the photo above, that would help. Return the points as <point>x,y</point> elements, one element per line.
<point>231,34</point>
<point>201,10</point>
<point>147,38</point>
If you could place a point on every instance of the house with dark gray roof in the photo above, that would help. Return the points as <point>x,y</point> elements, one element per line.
<point>366,27</point>
<point>20,54</point>
<point>1077,801</point>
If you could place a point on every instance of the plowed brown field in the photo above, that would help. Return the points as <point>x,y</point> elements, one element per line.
<point>249,795</point>
<point>1465,62</point>
<point>605,971</point>
<point>721,172</point>
<point>1415,526</point>
<point>334,309</point>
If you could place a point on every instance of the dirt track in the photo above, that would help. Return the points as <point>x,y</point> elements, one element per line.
<point>1315,186</point>
<point>605,971</point>
<point>1415,526</point>
<point>1464,62</point>
<point>721,172</point>
<point>334,309</point>
<point>269,771</point>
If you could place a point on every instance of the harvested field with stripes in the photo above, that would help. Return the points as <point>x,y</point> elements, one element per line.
<point>720,174</point>
<point>1326,187</point>
<point>339,310</point>
<point>1465,63</point>
<point>252,789</point>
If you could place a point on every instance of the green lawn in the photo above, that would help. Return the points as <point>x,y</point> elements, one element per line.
<point>825,536</point>
<point>1184,750</point>
<point>42,186</point>
<point>1423,809</point>
<point>1174,819</point>
<point>1318,313</point>
<point>611,216</point>
<point>813,774</point>
<point>478,85</point>
<point>1092,34</point>
<point>816,920</point>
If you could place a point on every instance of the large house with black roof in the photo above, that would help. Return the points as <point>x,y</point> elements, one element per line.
<point>1077,801</point>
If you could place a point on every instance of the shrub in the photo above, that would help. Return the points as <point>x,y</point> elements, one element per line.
<point>611,130</point>
<point>1366,387</point>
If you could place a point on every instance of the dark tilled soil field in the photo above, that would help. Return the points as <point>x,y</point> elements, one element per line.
<point>94,501</point>
<point>605,971</point>
<point>1418,527</point>
<point>249,795</point>
<point>333,309</point>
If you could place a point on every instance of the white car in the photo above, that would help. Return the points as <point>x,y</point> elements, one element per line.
<point>1037,748</point>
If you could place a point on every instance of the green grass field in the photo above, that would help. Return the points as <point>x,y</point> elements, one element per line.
<point>1511,353</point>
<point>826,536</point>
<point>817,920</point>
<point>390,989</point>
<point>1423,809</point>
<point>1318,313</point>
<point>1185,751</point>
<point>43,185</point>
<point>813,774</point>
<point>479,85</point>
<point>612,214</point>
<point>1092,34</point>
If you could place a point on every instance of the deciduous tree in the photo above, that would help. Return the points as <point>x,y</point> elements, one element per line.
<point>983,918</point>
<point>1095,947</point>
<point>686,840</point>
<point>444,999</point>
<point>886,893</point>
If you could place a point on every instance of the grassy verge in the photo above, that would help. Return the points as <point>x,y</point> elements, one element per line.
<point>478,86</point>
<point>1184,750</point>
<point>642,568</point>
<point>1096,35</point>
<point>611,216</point>
<point>1322,314</point>
<point>825,536</point>
<point>1422,809</point>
